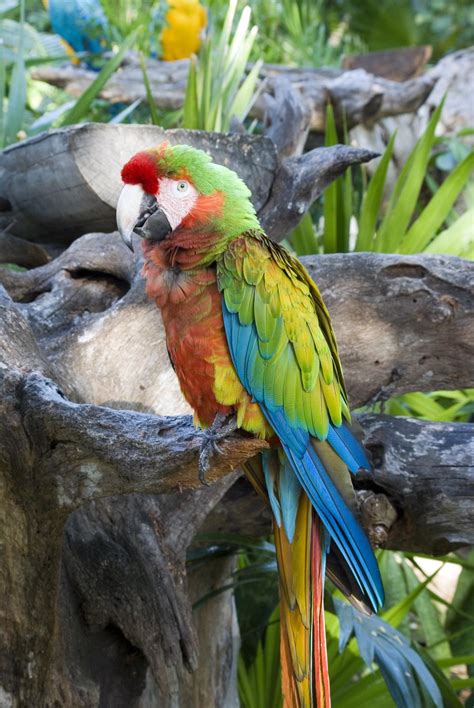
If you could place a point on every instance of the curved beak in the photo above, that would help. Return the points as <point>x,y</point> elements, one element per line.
<point>138,212</point>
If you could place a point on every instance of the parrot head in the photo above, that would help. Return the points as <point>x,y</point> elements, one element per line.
<point>177,197</point>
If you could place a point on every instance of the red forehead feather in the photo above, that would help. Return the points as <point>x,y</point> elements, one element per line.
<point>141,169</point>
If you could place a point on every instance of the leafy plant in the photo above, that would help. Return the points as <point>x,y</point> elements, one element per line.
<point>80,109</point>
<point>376,639</point>
<point>337,200</point>
<point>439,406</point>
<point>260,681</point>
<point>217,91</point>
<point>126,16</point>
<point>443,25</point>
<point>13,98</point>
<point>401,229</point>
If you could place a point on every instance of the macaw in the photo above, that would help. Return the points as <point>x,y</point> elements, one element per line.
<point>81,24</point>
<point>251,340</point>
<point>185,21</point>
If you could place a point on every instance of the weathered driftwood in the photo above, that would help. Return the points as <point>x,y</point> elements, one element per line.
<point>65,183</point>
<point>449,76</point>
<point>356,94</point>
<point>394,64</point>
<point>121,631</point>
<point>22,253</point>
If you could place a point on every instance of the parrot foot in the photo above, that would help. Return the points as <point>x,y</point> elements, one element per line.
<point>221,427</point>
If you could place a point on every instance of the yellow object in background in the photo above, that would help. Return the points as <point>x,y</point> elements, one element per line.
<point>185,22</point>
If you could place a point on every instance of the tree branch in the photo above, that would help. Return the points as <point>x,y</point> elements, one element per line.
<point>80,166</point>
<point>95,452</point>
<point>418,498</point>
<point>423,470</point>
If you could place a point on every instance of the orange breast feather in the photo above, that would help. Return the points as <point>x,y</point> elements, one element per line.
<point>190,304</point>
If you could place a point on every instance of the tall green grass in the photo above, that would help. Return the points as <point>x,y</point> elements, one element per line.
<point>219,88</point>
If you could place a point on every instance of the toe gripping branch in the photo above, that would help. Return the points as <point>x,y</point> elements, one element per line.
<point>222,426</point>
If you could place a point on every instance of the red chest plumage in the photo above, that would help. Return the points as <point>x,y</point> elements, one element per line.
<point>191,309</point>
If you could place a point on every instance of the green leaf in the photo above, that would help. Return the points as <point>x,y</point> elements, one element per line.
<point>81,107</point>
<point>457,240</point>
<point>330,207</point>
<point>246,95</point>
<point>407,188</point>
<point>190,109</point>
<point>450,558</point>
<point>155,119</point>
<point>260,682</point>
<point>459,683</point>
<point>435,213</point>
<point>428,617</point>
<point>396,613</point>
<point>394,581</point>
<point>462,602</point>
<point>372,201</point>
<point>303,237</point>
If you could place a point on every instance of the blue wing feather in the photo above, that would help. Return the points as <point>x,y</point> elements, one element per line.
<point>349,449</point>
<point>313,477</point>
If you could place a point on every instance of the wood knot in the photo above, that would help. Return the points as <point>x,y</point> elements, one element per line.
<point>377,515</point>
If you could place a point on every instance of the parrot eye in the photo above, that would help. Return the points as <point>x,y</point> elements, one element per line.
<point>182,186</point>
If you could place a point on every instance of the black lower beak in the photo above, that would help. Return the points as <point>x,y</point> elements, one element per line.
<point>156,227</point>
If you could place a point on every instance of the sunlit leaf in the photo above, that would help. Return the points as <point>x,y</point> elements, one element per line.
<point>434,214</point>
<point>407,188</point>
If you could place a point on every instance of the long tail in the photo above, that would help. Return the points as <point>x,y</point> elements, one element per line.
<point>305,678</point>
<point>316,533</point>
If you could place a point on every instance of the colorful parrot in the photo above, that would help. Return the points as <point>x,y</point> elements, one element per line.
<point>251,341</point>
<point>185,24</point>
<point>81,24</point>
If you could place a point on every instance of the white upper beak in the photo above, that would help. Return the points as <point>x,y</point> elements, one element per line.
<point>129,211</point>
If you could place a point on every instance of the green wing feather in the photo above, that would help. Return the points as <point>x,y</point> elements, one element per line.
<point>295,361</point>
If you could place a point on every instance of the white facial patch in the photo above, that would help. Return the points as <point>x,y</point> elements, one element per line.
<point>176,197</point>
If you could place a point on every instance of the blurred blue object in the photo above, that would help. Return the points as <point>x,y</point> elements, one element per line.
<point>379,642</point>
<point>81,23</point>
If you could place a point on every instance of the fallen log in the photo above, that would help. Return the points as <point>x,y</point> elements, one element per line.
<point>358,95</point>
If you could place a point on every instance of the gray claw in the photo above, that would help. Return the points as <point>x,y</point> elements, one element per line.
<point>221,427</point>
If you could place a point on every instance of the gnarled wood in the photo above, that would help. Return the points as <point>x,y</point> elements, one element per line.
<point>359,96</point>
<point>403,323</point>
<point>65,183</point>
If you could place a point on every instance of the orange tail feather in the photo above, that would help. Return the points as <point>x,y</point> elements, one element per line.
<point>305,679</point>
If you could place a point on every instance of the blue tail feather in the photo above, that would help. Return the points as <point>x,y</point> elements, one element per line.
<point>349,449</point>
<point>290,490</point>
<point>341,524</point>
<point>270,483</point>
